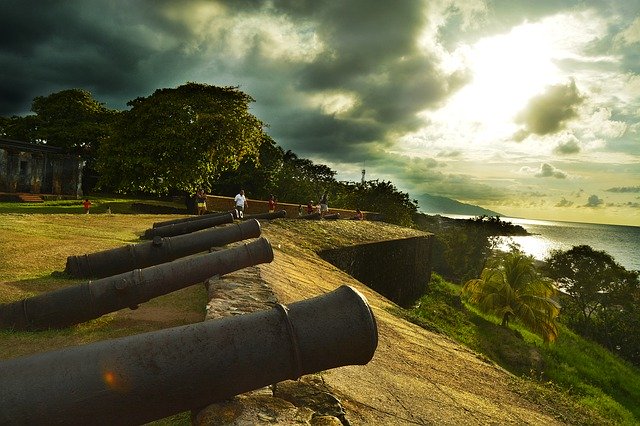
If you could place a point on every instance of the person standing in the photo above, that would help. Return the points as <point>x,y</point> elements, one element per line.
<point>87,205</point>
<point>272,204</point>
<point>241,203</point>
<point>324,204</point>
<point>201,201</point>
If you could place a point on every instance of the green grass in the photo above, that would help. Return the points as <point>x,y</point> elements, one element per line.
<point>36,239</point>
<point>600,382</point>
<point>99,204</point>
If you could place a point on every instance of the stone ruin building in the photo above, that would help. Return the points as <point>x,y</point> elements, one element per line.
<point>39,169</point>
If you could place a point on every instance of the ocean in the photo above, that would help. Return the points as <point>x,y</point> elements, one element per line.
<point>621,242</point>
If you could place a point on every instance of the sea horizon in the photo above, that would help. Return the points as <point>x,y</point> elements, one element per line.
<point>622,242</point>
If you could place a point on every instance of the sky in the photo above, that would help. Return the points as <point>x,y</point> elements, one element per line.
<point>530,109</point>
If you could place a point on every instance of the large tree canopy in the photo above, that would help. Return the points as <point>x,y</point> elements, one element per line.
<point>70,119</point>
<point>179,139</point>
<point>602,299</point>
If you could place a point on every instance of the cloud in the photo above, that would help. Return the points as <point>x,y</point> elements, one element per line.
<point>564,203</point>
<point>624,189</point>
<point>594,201</point>
<point>567,147</point>
<point>631,35</point>
<point>545,170</point>
<point>549,112</point>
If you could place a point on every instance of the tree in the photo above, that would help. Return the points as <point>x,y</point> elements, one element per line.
<point>73,120</point>
<point>511,287</point>
<point>179,139</point>
<point>602,299</point>
<point>591,279</point>
<point>257,176</point>
<point>378,196</point>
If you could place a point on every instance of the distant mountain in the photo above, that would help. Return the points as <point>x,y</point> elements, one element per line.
<point>433,204</point>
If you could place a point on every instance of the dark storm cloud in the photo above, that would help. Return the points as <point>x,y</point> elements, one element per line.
<point>104,47</point>
<point>371,53</point>
<point>549,112</point>
<point>121,50</point>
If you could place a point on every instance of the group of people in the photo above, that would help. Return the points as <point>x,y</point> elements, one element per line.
<point>241,204</point>
<point>322,207</point>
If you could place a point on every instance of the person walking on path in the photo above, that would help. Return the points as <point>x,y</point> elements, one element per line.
<point>87,205</point>
<point>241,203</point>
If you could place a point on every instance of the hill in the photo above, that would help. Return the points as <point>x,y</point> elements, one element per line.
<point>435,204</point>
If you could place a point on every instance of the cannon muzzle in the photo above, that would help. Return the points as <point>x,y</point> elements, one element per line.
<point>82,302</point>
<point>160,250</point>
<point>179,228</point>
<point>140,378</point>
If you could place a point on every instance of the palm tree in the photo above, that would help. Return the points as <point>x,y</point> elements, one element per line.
<point>511,287</point>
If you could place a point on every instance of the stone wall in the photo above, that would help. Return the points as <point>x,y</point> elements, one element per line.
<point>398,269</point>
<point>37,169</point>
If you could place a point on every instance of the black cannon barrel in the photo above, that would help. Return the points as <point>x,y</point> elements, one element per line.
<point>205,221</point>
<point>144,377</point>
<point>160,250</point>
<point>82,302</point>
<point>187,219</point>
<point>266,216</point>
<point>334,216</point>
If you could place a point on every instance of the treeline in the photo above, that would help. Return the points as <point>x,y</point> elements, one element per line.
<point>195,136</point>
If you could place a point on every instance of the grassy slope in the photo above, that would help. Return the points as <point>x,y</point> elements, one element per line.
<point>34,246</point>
<point>584,371</point>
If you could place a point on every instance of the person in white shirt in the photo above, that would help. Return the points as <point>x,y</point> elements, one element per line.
<point>241,203</point>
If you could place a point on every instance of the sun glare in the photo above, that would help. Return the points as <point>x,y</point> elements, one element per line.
<point>507,70</point>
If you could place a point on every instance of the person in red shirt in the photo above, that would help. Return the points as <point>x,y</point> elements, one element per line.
<point>272,204</point>
<point>310,207</point>
<point>86,204</point>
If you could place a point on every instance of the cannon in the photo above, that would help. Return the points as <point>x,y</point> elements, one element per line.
<point>145,377</point>
<point>266,216</point>
<point>205,221</point>
<point>86,301</point>
<point>160,250</point>
<point>334,216</point>
<point>188,219</point>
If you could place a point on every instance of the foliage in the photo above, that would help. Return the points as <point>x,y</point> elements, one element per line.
<point>495,226</point>
<point>510,287</point>
<point>596,386</point>
<point>382,197</point>
<point>461,247</point>
<point>179,139</point>
<point>72,119</point>
<point>595,374</point>
<point>69,119</point>
<point>299,180</point>
<point>19,128</point>
<point>602,299</point>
